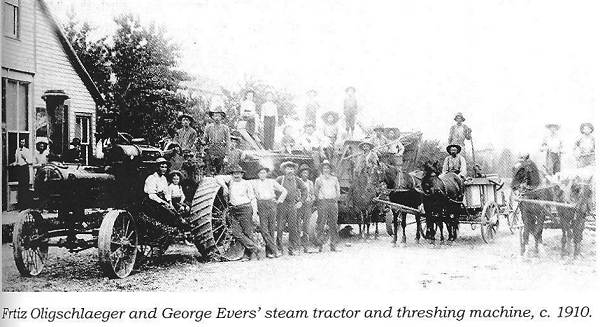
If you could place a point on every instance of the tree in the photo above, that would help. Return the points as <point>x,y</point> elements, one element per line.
<point>430,150</point>
<point>146,81</point>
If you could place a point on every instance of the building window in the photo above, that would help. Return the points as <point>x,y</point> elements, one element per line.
<point>15,125</point>
<point>11,18</point>
<point>82,131</point>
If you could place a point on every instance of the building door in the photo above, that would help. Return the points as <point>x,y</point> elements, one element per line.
<point>82,131</point>
<point>15,125</point>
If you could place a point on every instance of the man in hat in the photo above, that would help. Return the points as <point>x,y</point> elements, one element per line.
<point>267,201</point>
<point>459,132</point>
<point>157,205</point>
<point>309,143</point>
<point>306,210</point>
<point>235,155</point>
<point>244,210</point>
<point>350,110</point>
<point>395,148</point>
<point>311,108</point>
<point>74,154</point>
<point>22,162</point>
<point>327,191</point>
<point>287,212</point>
<point>454,162</point>
<point>40,156</point>
<point>553,147</point>
<point>585,146</point>
<point>186,136</point>
<point>217,138</point>
<point>366,160</point>
<point>248,111</point>
<point>268,112</point>
<point>330,133</point>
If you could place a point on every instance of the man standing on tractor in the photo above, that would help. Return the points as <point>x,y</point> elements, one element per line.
<point>217,138</point>
<point>350,111</point>
<point>553,147</point>
<point>287,213</point>
<point>327,190</point>
<point>248,112</point>
<point>186,136</point>
<point>309,143</point>
<point>330,133</point>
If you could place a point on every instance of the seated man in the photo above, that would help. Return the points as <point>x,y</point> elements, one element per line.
<point>157,205</point>
<point>454,162</point>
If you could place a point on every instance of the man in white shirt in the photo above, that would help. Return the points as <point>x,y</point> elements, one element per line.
<point>244,211</point>
<point>158,204</point>
<point>327,190</point>
<point>268,112</point>
<point>22,162</point>
<point>267,201</point>
<point>248,112</point>
<point>552,146</point>
<point>310,143</point>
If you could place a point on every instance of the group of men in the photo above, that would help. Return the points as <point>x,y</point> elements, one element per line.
<point>269,206</point>
<point>584,147</point>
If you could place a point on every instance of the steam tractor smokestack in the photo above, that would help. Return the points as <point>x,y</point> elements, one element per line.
<point>58,121</point>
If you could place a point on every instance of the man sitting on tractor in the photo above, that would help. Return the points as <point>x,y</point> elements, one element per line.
<point>158,205</point>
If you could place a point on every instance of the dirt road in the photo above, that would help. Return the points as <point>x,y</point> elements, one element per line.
<point>373,264</point>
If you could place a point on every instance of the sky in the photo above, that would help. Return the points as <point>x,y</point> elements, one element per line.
<point>510,66</point>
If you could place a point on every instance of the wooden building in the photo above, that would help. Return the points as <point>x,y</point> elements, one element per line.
<point>37,59</point>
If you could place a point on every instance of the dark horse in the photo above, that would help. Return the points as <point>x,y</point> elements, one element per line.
<point>404,189</point>
<point>442,201</point>
<point>528,184</point>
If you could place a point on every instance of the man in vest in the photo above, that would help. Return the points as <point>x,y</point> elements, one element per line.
<point>287,212</point>
<point>459,132</point>
<point>455,163</point>
<point>186,136</point>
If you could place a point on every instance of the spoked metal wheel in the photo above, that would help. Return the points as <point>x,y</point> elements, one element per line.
<point>489,222</point>
<point>30,243</point>
<point>117,244</point>
<point>211,223</point>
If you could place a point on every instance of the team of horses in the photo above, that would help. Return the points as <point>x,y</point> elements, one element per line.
<point>439,197</point>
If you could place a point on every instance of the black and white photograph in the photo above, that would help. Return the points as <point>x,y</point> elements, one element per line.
<point>318,147</point>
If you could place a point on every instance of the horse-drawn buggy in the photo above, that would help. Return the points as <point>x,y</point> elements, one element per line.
<point>563,201</point>
<point>359,185</point>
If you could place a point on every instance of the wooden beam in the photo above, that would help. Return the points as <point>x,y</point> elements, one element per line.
<point>546,203</point>
<point>398,206</point>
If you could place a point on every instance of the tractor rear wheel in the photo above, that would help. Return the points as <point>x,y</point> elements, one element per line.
<point>211,223</point>
<point>30,243</point>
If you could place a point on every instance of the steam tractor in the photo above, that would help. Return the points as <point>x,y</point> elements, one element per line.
<point>100,206</point>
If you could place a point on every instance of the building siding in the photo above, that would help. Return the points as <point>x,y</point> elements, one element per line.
<point>55,71</point>
<point>18,54</point>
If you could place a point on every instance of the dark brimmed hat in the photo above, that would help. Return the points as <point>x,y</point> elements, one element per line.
<point>335,115</point>
<point>367,143</point>
<point>459,116</point>
<point>265,168</point>
<point>161,161</point>
<point>236,169</point>
<point>191,119</point>
<point>286,164</point>
<point>458,148</point>
<point>584,125</point>
<point>553,125</point>
<point>304,167</point>
<point>217,111</point>
<point>76,141</point>
<point>235,138</point>
<point>175,172</point>
<point>326,163</point>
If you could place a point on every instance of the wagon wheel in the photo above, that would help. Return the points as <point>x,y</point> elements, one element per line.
<point>489,222</point>
<point>117,244</point>
<point>30,243</point>
<point>211,223</point>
